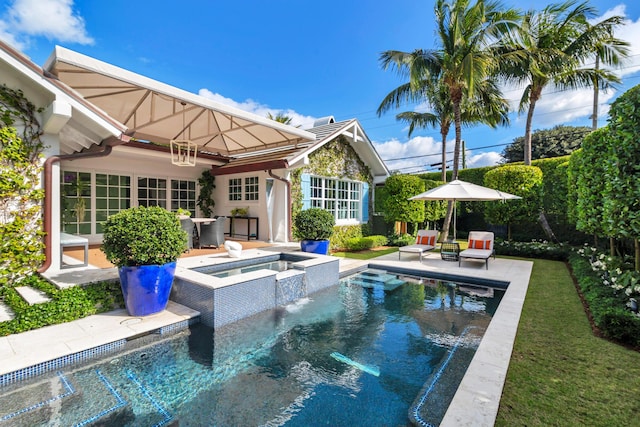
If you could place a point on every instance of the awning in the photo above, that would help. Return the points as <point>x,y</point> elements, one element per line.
<point>157,112</point>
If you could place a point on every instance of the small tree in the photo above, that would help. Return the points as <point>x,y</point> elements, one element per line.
<point>397,206</point>
<point>523,181</point>
<point>622,186</point>
<point>434,209</point>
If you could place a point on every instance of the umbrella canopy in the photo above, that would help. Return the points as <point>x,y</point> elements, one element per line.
<point>462,191</point>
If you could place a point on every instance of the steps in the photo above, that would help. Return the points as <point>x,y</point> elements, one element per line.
<point>373,279</point>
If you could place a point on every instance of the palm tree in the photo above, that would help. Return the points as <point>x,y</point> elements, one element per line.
<point>551,47</point>
<point>487,107</point>
<point>280,118</point>
<point>465,58</point>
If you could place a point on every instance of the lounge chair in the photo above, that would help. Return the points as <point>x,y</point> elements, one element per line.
<point>212,233</point>
<point>480,247</point>
<point>425,241</point>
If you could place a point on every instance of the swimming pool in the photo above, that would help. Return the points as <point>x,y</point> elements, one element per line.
<point>367,352</point>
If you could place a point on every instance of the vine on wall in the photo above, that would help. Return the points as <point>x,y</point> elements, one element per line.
<point>20,194</point>
<point>338,159</point>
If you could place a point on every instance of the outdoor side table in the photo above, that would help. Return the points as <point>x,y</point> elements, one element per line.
<point>450,251</point>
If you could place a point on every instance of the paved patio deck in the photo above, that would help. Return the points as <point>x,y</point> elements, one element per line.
<point>475,403</point>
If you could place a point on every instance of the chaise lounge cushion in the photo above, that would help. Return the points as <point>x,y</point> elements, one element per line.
<point>480,247</point>
<point>425,241</point>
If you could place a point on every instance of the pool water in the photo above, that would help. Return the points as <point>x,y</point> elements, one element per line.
<point>279,265</point>
<point>369,351</point>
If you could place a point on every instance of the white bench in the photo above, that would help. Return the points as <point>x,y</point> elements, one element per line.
<point>73,241</point>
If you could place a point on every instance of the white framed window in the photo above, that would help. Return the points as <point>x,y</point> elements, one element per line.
<point>340,197</point>
<point>183,195</point>
<point>152,192</point>
<point>247,189</point>
<point>251,188</point>
<point>113,194</point>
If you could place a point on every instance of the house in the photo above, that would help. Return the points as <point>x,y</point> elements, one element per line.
<point>110,149</point>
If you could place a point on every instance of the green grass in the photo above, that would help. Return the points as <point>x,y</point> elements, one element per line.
<point>365,254</point>
<point>560,374</point>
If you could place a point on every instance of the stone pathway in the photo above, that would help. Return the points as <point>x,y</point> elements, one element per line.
<point>5,312</point>
<point>32,296</point>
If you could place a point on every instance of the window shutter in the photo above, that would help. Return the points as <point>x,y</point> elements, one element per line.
<point>365,202</point>
<point>305,184</point>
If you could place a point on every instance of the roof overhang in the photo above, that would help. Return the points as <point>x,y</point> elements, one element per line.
<point>79,124</point>
<point>157,112</point>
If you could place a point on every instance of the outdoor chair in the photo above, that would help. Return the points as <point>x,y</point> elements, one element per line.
<point>212,234</point>
<point>425,241</point>
<point>187,225</point>
<point>480,247</point>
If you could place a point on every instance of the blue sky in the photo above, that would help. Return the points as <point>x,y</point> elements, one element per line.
<point>306,60</point>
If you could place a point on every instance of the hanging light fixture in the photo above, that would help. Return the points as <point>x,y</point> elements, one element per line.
<point>183,151</point>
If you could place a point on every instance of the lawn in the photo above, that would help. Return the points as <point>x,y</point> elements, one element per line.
<point>560,373</point>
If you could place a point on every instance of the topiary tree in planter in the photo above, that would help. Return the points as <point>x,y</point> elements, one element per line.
<point>144,243</point>
<point>314,227</point>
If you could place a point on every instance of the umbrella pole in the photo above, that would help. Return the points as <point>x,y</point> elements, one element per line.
<point>455,225</point>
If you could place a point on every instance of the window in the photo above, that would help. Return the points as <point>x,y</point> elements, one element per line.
<point>235,189</point>
<point>113,194</point>
<point>152,192</point>
<point>183,195</point>
<point>341,198</point>
<point>75,202</point>
<point>250,186</point>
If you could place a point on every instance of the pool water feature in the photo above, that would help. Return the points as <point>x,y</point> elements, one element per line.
<point>279,265</point>
<point>311,362</point>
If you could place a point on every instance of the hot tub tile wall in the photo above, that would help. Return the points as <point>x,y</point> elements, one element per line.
<point>241,300</point>
<point>196,296</point>
<point>290,286</point>
<point>321,275</point>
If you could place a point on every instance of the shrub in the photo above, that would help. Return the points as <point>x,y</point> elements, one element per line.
<point>607,304</point>
<point>401,240</point>
<point>534,249</point>
<point>65,305</point>
<point>143,236</point>
<point>362,243</point>
<point>314,224</point>
<point>342,233</point>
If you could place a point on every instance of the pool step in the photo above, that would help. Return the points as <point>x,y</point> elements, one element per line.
<point>375,279</point>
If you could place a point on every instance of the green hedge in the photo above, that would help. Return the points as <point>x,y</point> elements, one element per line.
<point>362,243</point>
<point>608,306</point>
<point>342,233</point>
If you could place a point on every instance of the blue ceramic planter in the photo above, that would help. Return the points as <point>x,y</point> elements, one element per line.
<point>146,288</point>
<point>315,246</point>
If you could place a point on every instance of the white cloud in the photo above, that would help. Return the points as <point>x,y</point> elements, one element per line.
<point>417,154</point>
<point>53,19</point>
<point>259,109</point>
<point>490,158</point>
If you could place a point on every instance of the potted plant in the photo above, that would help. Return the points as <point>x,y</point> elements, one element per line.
<point>314,227</point>
<point>144,243</point>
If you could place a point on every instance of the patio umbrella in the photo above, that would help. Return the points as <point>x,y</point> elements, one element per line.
<point>461,191</point>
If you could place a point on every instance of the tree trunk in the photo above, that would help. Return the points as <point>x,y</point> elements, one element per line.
<point>546,227</point>
<point>444,156</point>
<point>594,117</point>
<point>456,160</point>
<point>447,222</point>
<point>612,246</point>
<point>509,232</point>
<point>534,95</point>
<point>637,247</point>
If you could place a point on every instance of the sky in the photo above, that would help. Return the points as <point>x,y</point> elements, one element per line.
<point>301,59</point>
